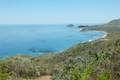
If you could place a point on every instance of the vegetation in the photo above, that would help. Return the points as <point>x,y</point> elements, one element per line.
<point>97,60</point>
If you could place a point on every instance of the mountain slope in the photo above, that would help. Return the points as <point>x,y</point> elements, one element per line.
<point>113,23</point>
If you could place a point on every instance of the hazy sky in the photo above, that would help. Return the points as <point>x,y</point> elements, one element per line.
<point>58,11</point>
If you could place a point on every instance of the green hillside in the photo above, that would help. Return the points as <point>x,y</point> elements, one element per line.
<point>113,23</point>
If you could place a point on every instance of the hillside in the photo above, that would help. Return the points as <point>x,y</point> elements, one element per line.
<point>113,23</point>
<point>98,60</point>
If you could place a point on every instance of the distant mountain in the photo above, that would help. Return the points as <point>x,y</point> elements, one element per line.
<point>113,23</point>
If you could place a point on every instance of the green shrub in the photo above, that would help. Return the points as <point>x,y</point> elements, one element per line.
<point>103,76</point>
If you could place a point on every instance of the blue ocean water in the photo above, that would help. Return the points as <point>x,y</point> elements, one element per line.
<point>39,39</point>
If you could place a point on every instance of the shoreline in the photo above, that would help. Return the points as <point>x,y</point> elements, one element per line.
<point>104,36</point>
<point>90,40</point>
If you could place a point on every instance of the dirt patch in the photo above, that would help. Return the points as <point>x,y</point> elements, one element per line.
<point>44,78</point>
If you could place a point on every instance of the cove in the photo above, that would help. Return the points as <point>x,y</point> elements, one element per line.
<point>40,39</point>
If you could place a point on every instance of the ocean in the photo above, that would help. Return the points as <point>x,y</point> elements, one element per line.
<point>40,39</point>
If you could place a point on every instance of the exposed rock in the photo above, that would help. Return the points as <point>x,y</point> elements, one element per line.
<point>70,25</point>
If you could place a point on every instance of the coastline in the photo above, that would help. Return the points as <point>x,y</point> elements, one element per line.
<point>90,40</point>
<point>104,36</point>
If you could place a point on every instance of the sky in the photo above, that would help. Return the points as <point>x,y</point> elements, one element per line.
<point>58,11</point>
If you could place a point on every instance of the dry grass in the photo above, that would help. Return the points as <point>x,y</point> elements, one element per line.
<point>47,77</point>
<point>44,78</point>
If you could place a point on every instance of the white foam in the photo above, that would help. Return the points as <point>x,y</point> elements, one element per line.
<point>90,40</point>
